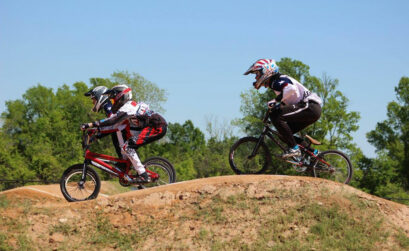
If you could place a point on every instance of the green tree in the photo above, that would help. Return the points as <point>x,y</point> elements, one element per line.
<point>336,123</point>
<point>12,164</point>
<point>185,144</point>
<point>391,136</point>
<point>186,136</point>
<point>44,128</point>
<point>214,160</point>
<point>40,134</point>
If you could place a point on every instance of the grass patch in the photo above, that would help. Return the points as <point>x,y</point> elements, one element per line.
<point>203,234</point>
<point>305,225</point>
<point>4,242</point>
<point>24,242</point>
<point>337,230</point>
<point>403,240</point>
<point>360,203</point>
<point>12,225</point>
<point>4,202</point>
<point>43,211</point>
<point>26,205</point>
<point>330,227</point>
<point>212,213</point>
<point>63,228</point>
<point>16,231</point>
<point>116,188</point>
<point>104,234</point>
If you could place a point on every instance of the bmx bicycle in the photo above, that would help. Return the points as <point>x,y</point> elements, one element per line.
<point>81,182</point>
<point>251,155</point>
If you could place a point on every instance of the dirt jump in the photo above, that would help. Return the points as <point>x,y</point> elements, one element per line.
<point>254,212</point>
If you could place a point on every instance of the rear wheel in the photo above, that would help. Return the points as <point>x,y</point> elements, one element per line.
<point>160,170</point>
<point>74,189</point>
<point>243,162</point>
<point>333,165</point>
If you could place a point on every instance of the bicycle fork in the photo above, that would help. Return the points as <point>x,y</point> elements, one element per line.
<point>255,150</point>
<point>84,174</point>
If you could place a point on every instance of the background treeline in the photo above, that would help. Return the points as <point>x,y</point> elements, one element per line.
<point>40,136</point>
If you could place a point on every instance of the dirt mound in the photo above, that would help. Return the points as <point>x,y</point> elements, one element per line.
<point>259,186</point>
<point>228,212</point>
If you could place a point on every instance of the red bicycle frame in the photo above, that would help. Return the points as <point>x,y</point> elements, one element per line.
<point>100,161</point>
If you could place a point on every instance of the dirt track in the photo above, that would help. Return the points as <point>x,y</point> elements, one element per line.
<point>398,214</point>
<point>190,215</point>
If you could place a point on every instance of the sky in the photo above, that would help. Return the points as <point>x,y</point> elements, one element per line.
<point>198,50</point>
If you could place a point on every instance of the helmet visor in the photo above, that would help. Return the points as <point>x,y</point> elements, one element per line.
<point>250,70</point>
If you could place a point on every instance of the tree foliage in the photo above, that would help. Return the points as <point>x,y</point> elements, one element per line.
<point>40,134</point>
<point>391,136</point>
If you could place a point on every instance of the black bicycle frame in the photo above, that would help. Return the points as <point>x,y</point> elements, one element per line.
<point>267,131</point>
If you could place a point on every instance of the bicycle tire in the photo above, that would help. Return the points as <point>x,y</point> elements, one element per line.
<point>239,159</point>
<point>339,171</point>
<point>69,183</point>
<point>162,167</point>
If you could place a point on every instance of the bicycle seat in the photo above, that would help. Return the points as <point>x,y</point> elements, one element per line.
<point>313,141</point>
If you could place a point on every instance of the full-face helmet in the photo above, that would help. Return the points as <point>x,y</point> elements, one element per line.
<point>119,95</point>
<point>264,69</point>
<point>97,97</point>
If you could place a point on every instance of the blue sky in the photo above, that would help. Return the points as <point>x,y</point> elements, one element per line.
<point>198,50</point>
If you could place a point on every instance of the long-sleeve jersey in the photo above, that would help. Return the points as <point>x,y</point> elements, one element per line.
<point>290,91</point>
<point>117,138</point>
<point>131,115</point>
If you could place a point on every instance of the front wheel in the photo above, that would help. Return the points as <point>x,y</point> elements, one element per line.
<point>333,165</point>
<point>243,161</point>
<point>160,170</point>
<point>74,188</point>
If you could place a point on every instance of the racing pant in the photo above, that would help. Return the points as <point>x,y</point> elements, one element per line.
<point>290,119</point>
<point>116,141</point>
<point>140,138</point>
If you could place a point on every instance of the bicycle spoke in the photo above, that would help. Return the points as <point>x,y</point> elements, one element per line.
<point>245,160</point>
<point>161,169</point>
<point>73,191</point>
<point>335,166</point>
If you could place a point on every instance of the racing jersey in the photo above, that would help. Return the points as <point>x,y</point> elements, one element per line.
<point>131,116</point>
<point>291,92</point>
<point>108,109</point>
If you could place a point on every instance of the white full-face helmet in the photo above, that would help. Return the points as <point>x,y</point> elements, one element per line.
<point>264,69</point>
<point>98,98</point>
